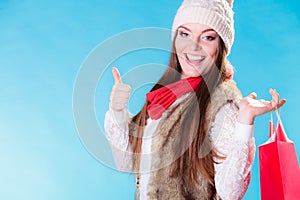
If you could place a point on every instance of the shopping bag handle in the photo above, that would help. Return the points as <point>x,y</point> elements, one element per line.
<point>272,127</point>
<point>279,132</point>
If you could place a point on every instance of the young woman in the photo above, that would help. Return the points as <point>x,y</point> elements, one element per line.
<point>193,138</point>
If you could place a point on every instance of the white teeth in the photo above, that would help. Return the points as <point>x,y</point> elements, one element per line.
<point>195,58</point>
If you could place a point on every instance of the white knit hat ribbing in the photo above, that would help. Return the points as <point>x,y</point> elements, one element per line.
<point>217,14</point>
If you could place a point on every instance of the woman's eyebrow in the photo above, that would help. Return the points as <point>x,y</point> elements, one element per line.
<point>184,28</point>
<point>206,30</point>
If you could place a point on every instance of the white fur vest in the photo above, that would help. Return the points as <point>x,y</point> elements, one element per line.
<point>166,140</point>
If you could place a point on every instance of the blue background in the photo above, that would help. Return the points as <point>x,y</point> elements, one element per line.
<point>44,43</point>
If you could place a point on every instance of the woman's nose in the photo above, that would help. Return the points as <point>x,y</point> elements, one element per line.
<point>196,44</point>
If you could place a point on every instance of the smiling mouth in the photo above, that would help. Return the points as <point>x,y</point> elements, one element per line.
<point>194,60</point>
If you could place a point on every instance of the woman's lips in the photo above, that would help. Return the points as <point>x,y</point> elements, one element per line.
<point>194,60</point>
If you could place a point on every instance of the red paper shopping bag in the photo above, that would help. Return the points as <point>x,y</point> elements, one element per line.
<point>279,170</point>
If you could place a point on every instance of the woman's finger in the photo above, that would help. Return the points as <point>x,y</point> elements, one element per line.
<point>275,98</point>
<point>253,95</point>
<point>119,100</point>
<point>121,87</point>
<point>281,103</point>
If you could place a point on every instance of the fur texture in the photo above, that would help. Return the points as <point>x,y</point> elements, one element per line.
<point>165,143</point>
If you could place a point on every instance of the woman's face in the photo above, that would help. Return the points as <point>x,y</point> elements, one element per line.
<point>197,48</point>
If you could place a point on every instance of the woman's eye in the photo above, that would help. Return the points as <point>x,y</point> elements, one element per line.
<point>183,34</point>
<point>209,38</point>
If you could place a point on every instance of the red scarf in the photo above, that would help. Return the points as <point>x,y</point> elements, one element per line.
<point>162,98</point>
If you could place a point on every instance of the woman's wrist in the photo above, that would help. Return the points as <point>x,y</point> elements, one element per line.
<point>245,117</point>
<point>118,116</point>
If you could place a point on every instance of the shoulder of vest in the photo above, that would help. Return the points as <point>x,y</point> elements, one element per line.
<point>224,93</point>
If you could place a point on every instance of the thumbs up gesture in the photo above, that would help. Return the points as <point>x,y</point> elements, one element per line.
<point>120,92</point>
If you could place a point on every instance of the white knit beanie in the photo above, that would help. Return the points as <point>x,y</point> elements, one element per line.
<point>217,14</point>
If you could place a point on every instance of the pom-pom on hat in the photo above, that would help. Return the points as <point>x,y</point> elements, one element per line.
<point>217,14</point>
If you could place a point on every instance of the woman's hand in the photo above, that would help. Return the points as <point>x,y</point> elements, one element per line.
<point>120,93</point>
<point>250,107</point>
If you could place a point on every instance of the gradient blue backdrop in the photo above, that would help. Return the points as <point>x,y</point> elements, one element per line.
<point>43,44</point>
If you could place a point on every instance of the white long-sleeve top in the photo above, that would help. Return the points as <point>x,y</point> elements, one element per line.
<point>228,136</point>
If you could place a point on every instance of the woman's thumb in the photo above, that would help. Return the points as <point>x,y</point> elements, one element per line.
<point>253,95</point>
<point>116,75</point>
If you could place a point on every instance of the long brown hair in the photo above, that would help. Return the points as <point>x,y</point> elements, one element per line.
<point>193,127</point>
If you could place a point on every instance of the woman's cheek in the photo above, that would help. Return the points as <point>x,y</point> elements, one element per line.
<point>180,44</point>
